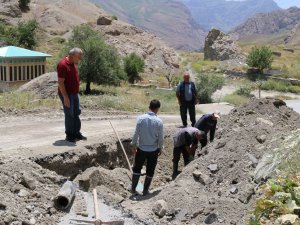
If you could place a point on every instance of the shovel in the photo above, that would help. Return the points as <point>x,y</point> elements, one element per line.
<point>140,186</point>
<point>97,220</point>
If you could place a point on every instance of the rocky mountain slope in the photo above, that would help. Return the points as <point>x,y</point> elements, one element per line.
<point>280,21</point>
<point>57,18</point>
<point>169,20</point>
<point>226,15</point>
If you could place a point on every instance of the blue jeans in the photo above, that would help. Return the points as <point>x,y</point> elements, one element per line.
<point>72,120</point>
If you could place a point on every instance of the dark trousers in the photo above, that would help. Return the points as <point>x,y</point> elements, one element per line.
<point>184,107</point>
<point>203,142</point>
<point>72,120</point>
<point>141,157</point>
<point>177,153</point>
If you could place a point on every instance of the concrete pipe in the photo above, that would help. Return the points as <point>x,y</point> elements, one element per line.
<point>65,196</point>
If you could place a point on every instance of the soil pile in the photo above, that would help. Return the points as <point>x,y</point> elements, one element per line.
<point>26,190</point>
<point>219,187</point>
<point>44,86</point>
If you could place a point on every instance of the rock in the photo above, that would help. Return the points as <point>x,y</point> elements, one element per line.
<point>282,196</point>
<point>23,193</point>
<point>32,221</point>
<point>28,181</point>
<point>297,193</point>
<point>278,102</point>
<point>278,54</point>
<point>2,206</point>
<point>289,50</point>
<point>234,190</point>
<point>287,219</point>
<point>261,139</point>
<point>219,46</point>
<point>293,206</point>
<point>212,218</point>
<point>104,20</point>
<point>160,208</point>
<point>246,194</point>
<point>221,144</point>
<point>213,168</point>
<point>202,178</point>
<point>264,121</point>
<point>253,159</point>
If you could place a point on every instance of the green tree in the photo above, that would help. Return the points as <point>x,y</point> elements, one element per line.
<point>101,63</point>
<point>22,35</point>
<point>260,58</point>
<point>134,65</point>
<point>207,84</point>
<point>24,4</point>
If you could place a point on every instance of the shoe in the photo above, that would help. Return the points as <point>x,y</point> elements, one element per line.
<point>80,137</point>
<point>70,139</point>
<point>147,184</point>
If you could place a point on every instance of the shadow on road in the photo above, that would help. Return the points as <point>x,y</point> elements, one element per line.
<point>64,143</point>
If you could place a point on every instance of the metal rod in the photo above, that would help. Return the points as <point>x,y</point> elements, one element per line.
<point>128,162</point>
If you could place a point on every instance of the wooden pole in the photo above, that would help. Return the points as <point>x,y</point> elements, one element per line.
<point>128,162</point>
<point>97,213</point>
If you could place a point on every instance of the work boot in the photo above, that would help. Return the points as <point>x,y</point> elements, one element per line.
<point>147,184</point>
<point>135,181</point>
<point>80,137</point>
<point>70,139</point>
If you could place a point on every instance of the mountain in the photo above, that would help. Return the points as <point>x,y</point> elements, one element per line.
<point>225,14</point>
<point>57,18</point>
<point>168,19</point>
<point>284,23</point>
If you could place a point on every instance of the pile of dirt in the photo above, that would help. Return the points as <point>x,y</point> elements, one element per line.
<point>44,86</point>
<point>219,186</point>
<point>26,192</point>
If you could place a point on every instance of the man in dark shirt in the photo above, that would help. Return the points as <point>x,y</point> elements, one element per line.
<point>207,123</point>
<point>68,90</point>
<point>185,143</point>
<point>187,97</point>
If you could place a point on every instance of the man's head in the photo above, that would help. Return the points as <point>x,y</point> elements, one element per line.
<point>215,116</point>
<point>199,134</point>
<point>154,106</point>
<point>75,55</point>
<point>186,77</point>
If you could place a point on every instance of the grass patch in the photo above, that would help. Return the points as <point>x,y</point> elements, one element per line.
<point>279,86</point>
<point>236,99</point>
<point>26,101</point>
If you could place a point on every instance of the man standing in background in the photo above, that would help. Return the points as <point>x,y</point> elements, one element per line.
<point>187,97</point>
<point>68,90</point>
<point>147,144</point>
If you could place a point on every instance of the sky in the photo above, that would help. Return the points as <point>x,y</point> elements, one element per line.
<point>282,3</point>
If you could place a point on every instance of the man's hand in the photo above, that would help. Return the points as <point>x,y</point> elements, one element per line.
<point>67,102</point>
<point>133,150</point>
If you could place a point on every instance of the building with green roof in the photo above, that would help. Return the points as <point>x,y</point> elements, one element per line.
<point>19,65</point>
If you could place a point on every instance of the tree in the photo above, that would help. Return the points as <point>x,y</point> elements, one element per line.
<point>22,35</point>
<point>207,84</point>
<point>101,63</point>
<point>133,65</point>
<point>24,4</point>
<point>261,58</point>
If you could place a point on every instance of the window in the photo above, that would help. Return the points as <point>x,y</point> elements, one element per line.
<point>24,73</point>
<point>15,73</point>
<point>20,73</point>
<point>28,72</point>
<point>31,72</point>
<point>10,73</point>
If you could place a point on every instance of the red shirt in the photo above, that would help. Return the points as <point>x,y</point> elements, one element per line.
<point>69,72</point>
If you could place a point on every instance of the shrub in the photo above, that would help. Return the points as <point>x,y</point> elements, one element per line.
<point>24,4</point>
<point>244,91</point>
<point>236,99</point>
<point>101,63</point>
<point>207,84</point>
<point>133,65</point>
<point>260,58</point>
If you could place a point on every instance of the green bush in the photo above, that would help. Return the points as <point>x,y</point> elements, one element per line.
<point>134,65</point>
<point>24,4</point>
<point>244,91</point>
<point>101,63</point>
<point>22,35</point>
<point>207,84</point>
<point>280,86</point>
<point>260,58</point>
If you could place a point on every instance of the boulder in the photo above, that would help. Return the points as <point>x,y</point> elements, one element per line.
<point>211,218</point>
<point>28,181</point>
<point>104,20</point>
<point>219,46</point>
<point>200,177</point>
<point>160,208</point>
<point>287,219</point>
<point>213,168</point>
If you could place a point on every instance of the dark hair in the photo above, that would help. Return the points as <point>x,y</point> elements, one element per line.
<point>154,104</point>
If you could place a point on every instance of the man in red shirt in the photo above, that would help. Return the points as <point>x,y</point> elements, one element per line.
<point>68,90</point>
